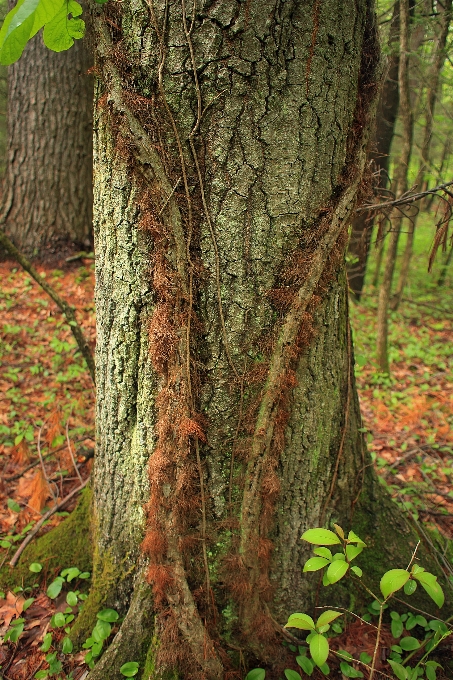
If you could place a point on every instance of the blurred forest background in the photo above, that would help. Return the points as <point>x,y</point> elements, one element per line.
<point>400,269</point>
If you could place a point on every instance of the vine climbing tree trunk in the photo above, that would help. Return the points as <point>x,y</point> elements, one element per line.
<point>47,193</point>
<point>229,149</point>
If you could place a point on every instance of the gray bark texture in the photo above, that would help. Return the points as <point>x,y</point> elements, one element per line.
<point>47,191</point>
<point>230,141</point>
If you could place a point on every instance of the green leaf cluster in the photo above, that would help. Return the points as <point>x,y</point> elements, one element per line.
<point>59,18</point>
<point>339,563</point>
<point>100,633</point>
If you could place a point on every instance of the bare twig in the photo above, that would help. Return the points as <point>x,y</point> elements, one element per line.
<point>71,453</point>
<point>31,534</point>
<point>12,478</point>
<point>406,199</point>
<point>43,467</point>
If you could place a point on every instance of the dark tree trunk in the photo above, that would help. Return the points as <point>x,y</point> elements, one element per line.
<point>379,157</point>
<point>47,196</point>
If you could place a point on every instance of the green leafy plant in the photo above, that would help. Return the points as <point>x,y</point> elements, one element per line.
<point>100,633</point>
<point>339,565</point>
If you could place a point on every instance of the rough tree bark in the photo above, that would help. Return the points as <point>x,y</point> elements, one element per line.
<point>229,148</point>
<point>47,192</point>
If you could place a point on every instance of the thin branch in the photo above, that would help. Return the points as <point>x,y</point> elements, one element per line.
<point>65,308</point>
<point>406,199</point>
<point>71,453</point>
<point>31,534</point>
<point>43,467</point>
<point>12,478</point>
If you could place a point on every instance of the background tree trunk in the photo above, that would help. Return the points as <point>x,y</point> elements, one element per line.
<point>387,111</point>
<point>432,93</point>
<point>401,173</point>
<point>47,195</point>
<point>229,147</point>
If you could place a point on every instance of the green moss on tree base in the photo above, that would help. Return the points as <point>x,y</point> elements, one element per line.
<point>68,545</point>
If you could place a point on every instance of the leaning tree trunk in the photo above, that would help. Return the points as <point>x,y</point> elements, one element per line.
<point>47,193</point>
<point>229,148</point>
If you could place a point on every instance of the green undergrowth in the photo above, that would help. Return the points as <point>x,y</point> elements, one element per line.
<point>68,544</point>
<point>105,578</point>
<point>391,538</point>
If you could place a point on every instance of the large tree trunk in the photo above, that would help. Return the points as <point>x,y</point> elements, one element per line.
<point>229,147</point>
<point>47,194</point>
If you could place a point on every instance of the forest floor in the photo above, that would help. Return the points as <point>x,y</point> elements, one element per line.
<point>47,437</point>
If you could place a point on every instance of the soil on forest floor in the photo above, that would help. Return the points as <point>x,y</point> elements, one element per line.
<point>47,430</point>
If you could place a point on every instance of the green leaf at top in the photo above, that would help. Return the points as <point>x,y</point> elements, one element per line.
<point>60,33</point>
<point>21,24</point>
<point>301,621</point>
<point>109,615</point>
<point>327,617</point>
<point>256,674</point>
<point>16,30</point>
<point>353,538</point>
<point>129,669</point>
<point>319,649</point>
<point>320,537</point>
<point>315,563</point>
<point>336,571</point>
<point>292,675</point>
<point>393,580</point>
<point>429,583</point>
<point>398,669</point>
